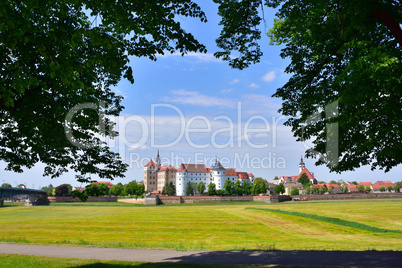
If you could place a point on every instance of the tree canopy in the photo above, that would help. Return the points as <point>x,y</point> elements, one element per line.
<point>200,187</point>
<point>303,179</point>
<point>280,188</point>
<point>344,90</point>
<point>211,189</point>
<point>60,59</point>
<point>259,187</point>
<point>169,189</point>
<point>54,56</point>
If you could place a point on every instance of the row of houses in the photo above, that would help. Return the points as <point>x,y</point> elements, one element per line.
<point>374,187</point>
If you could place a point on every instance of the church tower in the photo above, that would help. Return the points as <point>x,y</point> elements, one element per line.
<point>301,165</point>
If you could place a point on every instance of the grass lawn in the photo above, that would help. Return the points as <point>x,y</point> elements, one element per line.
<point>13,260</point>
<point>212,226</point>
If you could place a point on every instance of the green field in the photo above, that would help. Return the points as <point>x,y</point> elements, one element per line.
<point>320,225</point>
<point>13,260</point>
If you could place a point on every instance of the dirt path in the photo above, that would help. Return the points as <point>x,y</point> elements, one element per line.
<point>302,258</point>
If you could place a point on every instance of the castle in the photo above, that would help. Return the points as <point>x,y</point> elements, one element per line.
<point>155,175</point>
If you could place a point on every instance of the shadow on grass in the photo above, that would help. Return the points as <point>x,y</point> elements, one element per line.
<point>154,265</point>
<point>274,259</point>
<point>331,220</point>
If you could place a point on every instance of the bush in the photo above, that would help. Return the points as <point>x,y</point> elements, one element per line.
<point>308,190</point>
<point>397,187</point>
<point>295,191</point>
<point>382,189</point>
<point>220,192</point>
<point>344,189</point>
<point>360,188</point>
<point>323,189</point>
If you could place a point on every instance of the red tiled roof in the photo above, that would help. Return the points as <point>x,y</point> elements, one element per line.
<point>365,183</point>
<point>382,182</point>
<point>230,172</point>
<point>142,182</point>
<point>108,183</point>
<point>250,175</point>
<point>317,185</point>
<point>193,168</point>
<point>181,168</point>
<point>305,170</point>
<point>333,185</point>
<point>296,177</point>
<point>379,185</point>
<point>150,164</point>
<point>168,167</point>
<point>242,175</point>
<point>352,188</point>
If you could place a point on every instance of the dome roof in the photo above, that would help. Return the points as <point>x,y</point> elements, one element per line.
<point>217,166</point>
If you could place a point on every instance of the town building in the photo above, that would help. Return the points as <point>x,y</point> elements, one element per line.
<point>377,186</point>
<point>293,179</point>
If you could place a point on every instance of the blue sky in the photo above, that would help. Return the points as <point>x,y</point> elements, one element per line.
<point>196,107</point>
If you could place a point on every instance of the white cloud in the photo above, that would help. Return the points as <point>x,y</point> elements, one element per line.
<point>269,77</point>
<point>195,98</point>
<point>234,81</point>
<point>227,90</point>
<point>203,57</point>
<point>138,147</point>
<point>258,104</point>
<point>253,85</point>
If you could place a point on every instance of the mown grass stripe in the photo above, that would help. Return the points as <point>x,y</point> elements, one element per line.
<point>331,220</point>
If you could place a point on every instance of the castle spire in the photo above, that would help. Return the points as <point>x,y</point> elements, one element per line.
<point>158,160</point>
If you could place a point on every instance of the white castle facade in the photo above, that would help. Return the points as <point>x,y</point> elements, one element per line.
<point>155,176</point>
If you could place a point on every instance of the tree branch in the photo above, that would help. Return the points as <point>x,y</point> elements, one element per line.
<point>391,24</point>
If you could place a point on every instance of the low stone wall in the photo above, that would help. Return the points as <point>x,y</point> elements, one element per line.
<point>216,199</point>
<point>151,200</point>
<point>66,199</point>
<point>348,196</point>
<point>272,199</point>
<point>170,199</point>
<point>132,200</point>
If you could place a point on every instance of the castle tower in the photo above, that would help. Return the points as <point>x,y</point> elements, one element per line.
<point>158,160</point>
<point>301,165</point>
<point>150,176</point>
<point>218,175</point>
